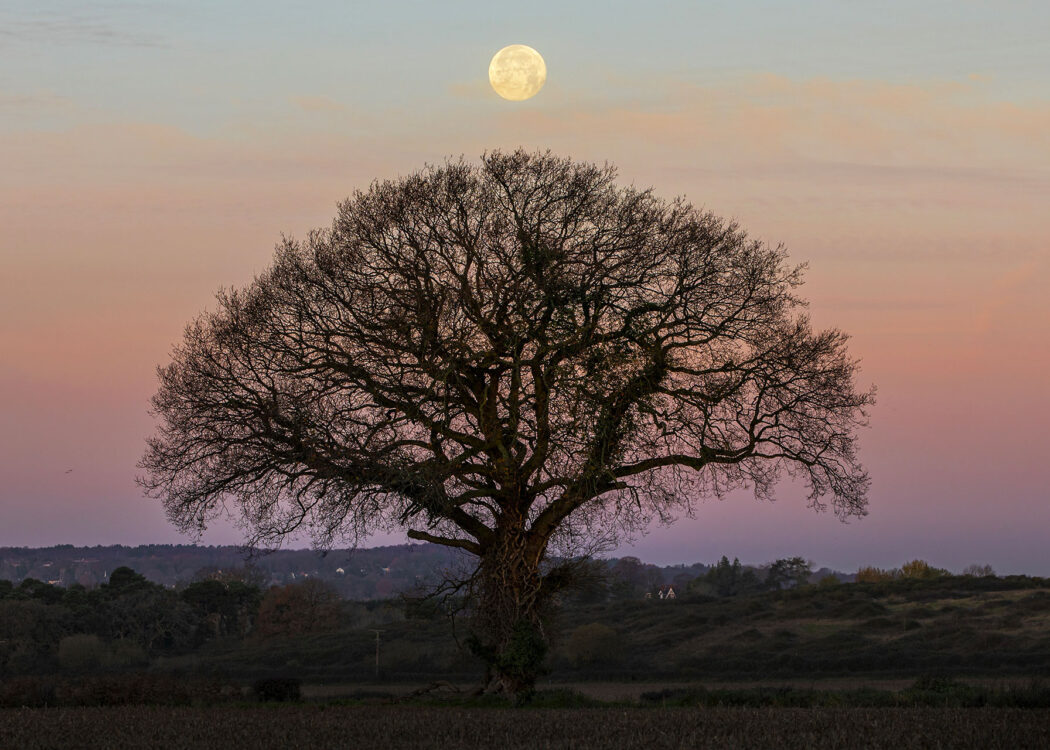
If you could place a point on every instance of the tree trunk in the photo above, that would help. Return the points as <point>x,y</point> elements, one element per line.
<point>508,628</point>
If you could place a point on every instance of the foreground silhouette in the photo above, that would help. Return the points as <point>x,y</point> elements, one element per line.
<point>519,359</point>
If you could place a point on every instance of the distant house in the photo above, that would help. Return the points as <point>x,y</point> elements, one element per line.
<point>665,591</point>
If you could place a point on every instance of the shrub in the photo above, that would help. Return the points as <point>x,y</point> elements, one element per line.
<point>979,571</point>
<point>27,657</point>
<point>876,575</point>
<point>87,653</point>
<point>1036,694</point>
<point>312,606</point>
<point>561,698</point>
<point>279,689</point>
<point>592,643</point>
<point>110,690</point>
<point>124,653</point>
<point>81,653</point>
<point>138,689</point>
<point>921,569</point>
<point>27,692</point>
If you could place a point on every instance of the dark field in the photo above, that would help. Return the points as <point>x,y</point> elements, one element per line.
<point>419,728</point>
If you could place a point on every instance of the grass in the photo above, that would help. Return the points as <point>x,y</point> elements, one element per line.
<point>957,625</point>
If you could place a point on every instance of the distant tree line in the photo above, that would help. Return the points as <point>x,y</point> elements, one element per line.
<point>373,573</point>
<point>629,578</point>
<point>917,569</point>
<point>129,622</point>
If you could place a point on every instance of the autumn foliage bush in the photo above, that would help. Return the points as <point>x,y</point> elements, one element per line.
<point>592,643</point>
<point>913,569</point>
<point>312,606</point>
<point>875,575</point>
<point>921,569</point>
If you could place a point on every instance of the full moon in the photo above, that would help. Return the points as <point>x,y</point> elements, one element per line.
<point>517,72</point>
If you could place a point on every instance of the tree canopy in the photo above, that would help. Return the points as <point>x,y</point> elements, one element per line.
<point>502,357</point>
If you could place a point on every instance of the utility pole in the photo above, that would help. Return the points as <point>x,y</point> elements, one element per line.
<point>377,632</point>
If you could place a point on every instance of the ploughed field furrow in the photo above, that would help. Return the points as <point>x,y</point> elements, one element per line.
<point>420,728</point>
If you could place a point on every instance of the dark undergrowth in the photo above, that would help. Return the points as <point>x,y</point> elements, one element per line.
<point>127,690</point>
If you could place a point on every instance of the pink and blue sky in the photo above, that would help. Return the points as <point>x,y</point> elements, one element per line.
<point>152,152</point>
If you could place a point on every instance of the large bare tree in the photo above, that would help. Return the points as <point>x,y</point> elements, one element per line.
<point>509,358</point>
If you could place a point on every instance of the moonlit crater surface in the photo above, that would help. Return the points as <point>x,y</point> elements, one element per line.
<point>517,72</point>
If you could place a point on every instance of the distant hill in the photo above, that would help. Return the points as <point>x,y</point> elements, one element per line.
<point>953,625</point>
<point>377,572</point>
<point>361,574</point>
